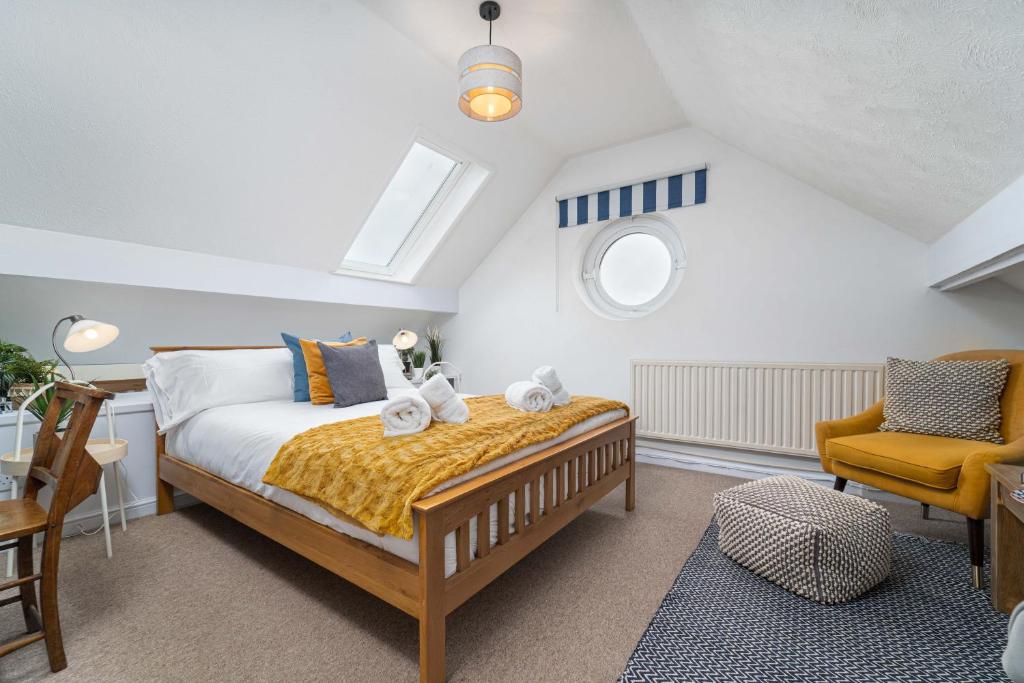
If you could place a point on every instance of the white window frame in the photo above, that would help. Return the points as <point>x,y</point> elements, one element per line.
<point>399,268</point>
<point>588,280</point>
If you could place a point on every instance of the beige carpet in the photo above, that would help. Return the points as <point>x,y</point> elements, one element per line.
<point>196,596</point>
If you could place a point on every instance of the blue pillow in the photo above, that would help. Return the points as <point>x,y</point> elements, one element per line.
<point>301,391</point>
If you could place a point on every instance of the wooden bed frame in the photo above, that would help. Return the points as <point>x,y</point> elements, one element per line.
<point>576,474</point>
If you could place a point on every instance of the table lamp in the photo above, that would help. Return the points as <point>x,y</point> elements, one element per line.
<point>404,341</point>
<point>84,335</point>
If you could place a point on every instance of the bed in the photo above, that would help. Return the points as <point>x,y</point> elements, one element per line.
<point>468,531</point>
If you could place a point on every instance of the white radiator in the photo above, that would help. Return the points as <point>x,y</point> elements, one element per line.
<point>756,406</point>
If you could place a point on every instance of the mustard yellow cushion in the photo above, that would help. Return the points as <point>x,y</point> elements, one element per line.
<point>319,387</point>
<point>933,461</point>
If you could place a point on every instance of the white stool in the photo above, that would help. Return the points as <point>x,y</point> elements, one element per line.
<point>103,452</point>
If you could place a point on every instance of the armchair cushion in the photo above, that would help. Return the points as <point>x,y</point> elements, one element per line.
<point>932,461</point>
<point>953,398</point>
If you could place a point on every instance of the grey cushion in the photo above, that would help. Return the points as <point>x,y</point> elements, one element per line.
<point>954,398</point>
<point>355,373</point>
<point>818,543</point>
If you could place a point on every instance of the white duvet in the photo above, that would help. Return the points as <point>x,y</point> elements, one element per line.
<point>238,443</point>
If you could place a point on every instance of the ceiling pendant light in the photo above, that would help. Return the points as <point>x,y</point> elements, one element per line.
<point>490,76</point>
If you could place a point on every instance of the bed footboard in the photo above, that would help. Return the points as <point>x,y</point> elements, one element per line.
<point>530,500</point>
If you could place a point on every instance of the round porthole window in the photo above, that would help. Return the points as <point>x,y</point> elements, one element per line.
<point>631,267</point>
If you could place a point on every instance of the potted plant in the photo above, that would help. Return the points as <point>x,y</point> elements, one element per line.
<point>419,360</point>
<point>435,342</point>
<point>12,366</point>
<point>21,375</point>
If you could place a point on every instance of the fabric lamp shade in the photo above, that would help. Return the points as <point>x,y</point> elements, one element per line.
<point>490,83</point>
<point>405,340</point>
<point>89,335</point>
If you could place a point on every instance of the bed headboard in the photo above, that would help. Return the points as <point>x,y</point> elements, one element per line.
<point>166,349</point>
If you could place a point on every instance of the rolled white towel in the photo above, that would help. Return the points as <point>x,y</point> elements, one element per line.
<point>529,397</point>
<point>546,376</point>
<point>404,415</point>
<point>445,405</point>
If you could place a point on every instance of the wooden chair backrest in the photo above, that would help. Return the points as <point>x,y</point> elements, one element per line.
<point>60,460</point>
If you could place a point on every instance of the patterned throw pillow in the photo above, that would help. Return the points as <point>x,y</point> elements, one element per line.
<point>955,398</point>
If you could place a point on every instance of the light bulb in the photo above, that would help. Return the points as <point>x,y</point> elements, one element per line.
<point>91,333</point>
<point>490,105</point>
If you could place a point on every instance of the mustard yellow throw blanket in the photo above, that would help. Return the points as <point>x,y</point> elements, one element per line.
<point>349,466</point>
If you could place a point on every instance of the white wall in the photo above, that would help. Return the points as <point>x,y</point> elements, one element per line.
<point>30,306</point>
<point>777,271</point>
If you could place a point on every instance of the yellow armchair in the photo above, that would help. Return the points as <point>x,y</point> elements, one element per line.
<point>934,470</point>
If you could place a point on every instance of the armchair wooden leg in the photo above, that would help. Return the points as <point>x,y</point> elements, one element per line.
<point>976,541</point>
<point>840,484</point>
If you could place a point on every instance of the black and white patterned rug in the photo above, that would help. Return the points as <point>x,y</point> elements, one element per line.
<point>721,622</point>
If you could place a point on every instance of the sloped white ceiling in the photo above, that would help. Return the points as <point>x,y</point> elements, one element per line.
<point>266,129</point>
<point>909,111</point>
<point>589,78</point>
<point>257,129</point>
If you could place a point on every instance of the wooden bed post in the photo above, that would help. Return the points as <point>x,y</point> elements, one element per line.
<point>432,597</point>
<point>631,482</point>
<point>164,491</point>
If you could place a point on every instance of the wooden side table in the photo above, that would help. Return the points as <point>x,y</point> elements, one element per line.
<point>103,452</point>
<point>1007,537</point>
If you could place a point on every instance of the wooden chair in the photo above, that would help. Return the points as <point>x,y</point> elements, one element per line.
<point>60,461</point>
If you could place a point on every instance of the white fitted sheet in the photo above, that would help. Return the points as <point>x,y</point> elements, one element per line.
<point>238,442</point>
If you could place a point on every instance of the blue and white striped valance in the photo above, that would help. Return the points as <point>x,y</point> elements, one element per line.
<point>684,188</point>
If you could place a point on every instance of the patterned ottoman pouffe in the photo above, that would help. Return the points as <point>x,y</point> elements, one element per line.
<point>818,543</point>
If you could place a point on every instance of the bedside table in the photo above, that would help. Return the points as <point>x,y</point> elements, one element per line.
<point>103,452</point>
<point>1007,537</point>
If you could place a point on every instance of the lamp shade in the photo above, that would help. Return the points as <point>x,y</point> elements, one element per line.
<point>405,340</point>
<point>89,335</point>
<point>490,83</point>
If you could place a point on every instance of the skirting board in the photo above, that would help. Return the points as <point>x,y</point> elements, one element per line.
<point>144,507</point>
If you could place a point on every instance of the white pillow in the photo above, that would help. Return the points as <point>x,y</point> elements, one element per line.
<point>184,383</point>
<point>393,368</point>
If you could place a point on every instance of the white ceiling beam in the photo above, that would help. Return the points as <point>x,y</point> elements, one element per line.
<point>982,245</point>
<point>44,253</point>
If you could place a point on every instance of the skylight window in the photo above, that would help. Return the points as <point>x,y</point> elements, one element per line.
<point>422,201</point>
